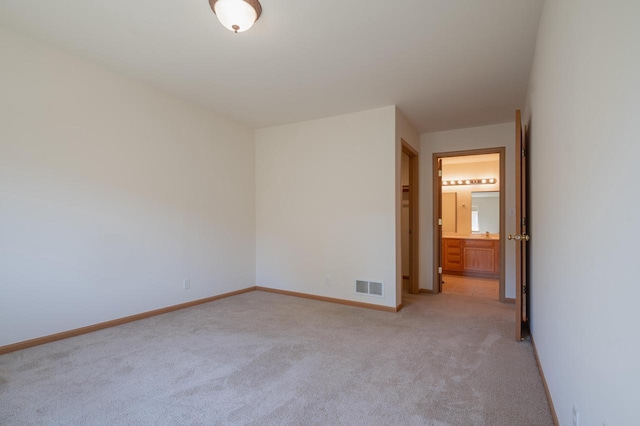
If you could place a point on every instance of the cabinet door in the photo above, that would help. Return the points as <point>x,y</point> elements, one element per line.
<point>480,256</point>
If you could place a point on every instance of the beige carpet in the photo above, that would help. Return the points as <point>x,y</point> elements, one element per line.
<point>261,358</point>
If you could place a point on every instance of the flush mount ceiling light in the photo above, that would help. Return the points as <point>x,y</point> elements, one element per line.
<point>236,15</point>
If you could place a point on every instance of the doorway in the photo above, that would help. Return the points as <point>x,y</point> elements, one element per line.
<point>469,222</point>
<point>409,247</point>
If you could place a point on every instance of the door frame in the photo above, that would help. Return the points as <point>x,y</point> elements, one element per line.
<point>437,197</point>
<point>414,218</point>
<point>521,225</point>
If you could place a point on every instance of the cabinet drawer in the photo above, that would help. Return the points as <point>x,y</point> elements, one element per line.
<point>489,244</point>
<point>455,258</point>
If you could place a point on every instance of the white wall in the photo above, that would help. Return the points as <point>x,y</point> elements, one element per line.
<point>499,135</point>
<point>110,194</point>
<point>584,93</point>
<point>325,205</point>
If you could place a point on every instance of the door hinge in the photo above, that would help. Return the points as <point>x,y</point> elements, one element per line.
<point>524,152</point>
<point>440,269</point>
<point>524,289</point>
<point>440,222</point>
<point>524,221</point>
<point>439,173</point>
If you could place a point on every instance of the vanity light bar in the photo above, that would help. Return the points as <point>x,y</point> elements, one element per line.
<point>485,181</point>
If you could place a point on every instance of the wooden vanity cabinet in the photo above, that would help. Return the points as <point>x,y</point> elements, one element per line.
<point>472,257</point>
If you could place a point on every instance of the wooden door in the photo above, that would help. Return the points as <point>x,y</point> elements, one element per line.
<point>521,237</point>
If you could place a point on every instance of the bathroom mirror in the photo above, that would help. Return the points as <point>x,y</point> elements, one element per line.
<point>485,212</point>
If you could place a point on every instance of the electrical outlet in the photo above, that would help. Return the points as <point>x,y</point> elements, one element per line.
<point>576,417</point>
<point>186,283</point>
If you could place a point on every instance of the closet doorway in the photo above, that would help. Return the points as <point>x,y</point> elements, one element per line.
<point>409,221</point>
<point>469,223</point>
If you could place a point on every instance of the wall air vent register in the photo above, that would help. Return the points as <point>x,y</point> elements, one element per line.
<point>371,288</point>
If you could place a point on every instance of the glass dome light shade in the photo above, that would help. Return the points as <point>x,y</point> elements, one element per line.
<point>236,15</point>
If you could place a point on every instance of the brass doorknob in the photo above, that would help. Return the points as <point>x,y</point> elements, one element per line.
<point>518,237</point>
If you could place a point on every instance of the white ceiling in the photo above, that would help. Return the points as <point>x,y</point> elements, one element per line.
<point>446,63</point>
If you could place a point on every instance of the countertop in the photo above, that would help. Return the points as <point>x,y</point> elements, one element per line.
<point>473,236</point>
